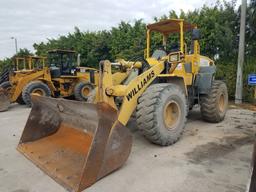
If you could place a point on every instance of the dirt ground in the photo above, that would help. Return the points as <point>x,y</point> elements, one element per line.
<point>209,157</point>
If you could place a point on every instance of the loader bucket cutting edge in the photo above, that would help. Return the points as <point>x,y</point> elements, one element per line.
<point>73,142</point>
<point>4,101</point>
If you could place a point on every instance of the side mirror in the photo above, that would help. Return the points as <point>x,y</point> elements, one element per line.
<point>195,34</point>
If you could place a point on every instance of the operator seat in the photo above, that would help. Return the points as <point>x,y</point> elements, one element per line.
<point>159,53</point>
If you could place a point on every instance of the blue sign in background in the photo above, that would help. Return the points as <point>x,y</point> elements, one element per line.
<point>252,79</point>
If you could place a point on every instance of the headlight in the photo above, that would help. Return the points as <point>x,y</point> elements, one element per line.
<point>174,57</point>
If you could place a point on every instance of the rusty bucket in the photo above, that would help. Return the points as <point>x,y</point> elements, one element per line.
<point>4,100</point>
<point>75,143</point>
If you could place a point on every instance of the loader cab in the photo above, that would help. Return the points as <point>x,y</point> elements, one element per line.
<point>180,41</point>
<point>62,62</point>
<point>174,33</point>
<point>175,29</point>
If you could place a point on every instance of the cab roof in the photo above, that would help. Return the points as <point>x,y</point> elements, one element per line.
<point>170,26</point>
<point>61,51</point>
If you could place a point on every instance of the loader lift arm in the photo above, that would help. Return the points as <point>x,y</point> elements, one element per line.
<point>130,92</point>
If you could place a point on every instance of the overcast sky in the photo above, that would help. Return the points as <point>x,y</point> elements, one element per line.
<point>36,20</point>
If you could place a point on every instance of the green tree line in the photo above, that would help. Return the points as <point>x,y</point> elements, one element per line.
<point>219,26</point>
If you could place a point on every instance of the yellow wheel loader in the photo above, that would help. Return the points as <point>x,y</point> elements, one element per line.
<point>23,66</point>
<point>62,77</point>
<point>78,143</point>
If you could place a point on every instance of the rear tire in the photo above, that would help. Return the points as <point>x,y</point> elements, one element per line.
<point>161,113</point>
<point>214,105</point>
<point>82,90</point>
<point>35,87</point>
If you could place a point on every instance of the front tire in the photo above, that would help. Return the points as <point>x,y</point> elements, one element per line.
<point>36,87</point>
<point>161,113</point>
<point>214,105</point>
<point>82,90</point>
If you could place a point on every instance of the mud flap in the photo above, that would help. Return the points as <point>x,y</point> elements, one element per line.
<point>4,100</point>
<point>75,143</point>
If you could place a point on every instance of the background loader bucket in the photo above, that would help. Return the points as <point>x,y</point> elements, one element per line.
<point>4,100</point>
<point>75,143</point>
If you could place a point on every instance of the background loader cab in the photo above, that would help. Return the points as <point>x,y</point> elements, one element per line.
<point>64,61</point>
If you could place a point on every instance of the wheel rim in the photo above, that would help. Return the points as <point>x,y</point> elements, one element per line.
<point>85,91</point>
<point>222,103</point>
<point>39,91</point>
<point>171,114</point>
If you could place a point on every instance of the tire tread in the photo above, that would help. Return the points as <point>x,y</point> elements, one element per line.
<point>146,113</point>
<point>209,111</point>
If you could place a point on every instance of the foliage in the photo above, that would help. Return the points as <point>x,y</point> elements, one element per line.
<point>219,25</point>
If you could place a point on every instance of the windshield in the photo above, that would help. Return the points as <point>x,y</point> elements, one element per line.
<point>62,60</point>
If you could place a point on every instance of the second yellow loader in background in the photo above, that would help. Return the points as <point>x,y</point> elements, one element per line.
<point>61,77</point>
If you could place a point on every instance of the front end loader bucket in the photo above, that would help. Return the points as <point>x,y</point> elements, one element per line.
<point>75,143</point>
<point>4,100</point>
